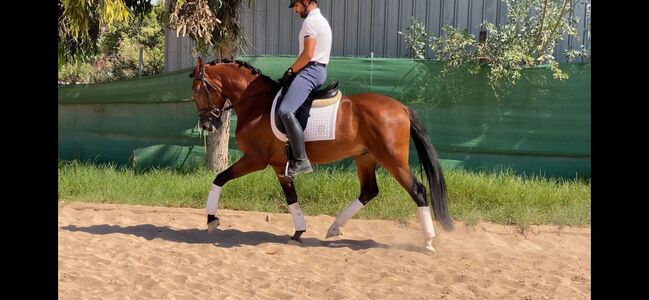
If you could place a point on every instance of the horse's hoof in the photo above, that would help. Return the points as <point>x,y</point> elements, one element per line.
<point>429,247</point>
<point>211,226</point>
<point>294,242</point>
<point>333,231</point>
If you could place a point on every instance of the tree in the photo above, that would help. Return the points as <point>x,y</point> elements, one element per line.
<point>121,51</point>
<point>134,48</point>
<point>527,40</point>
<point>416,38</point>
<point>213,26</point>
<point>80,23</point>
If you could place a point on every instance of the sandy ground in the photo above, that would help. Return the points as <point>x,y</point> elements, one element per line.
<point>138,252</point>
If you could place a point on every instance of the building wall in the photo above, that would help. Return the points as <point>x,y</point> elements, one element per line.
<point>361,27</point>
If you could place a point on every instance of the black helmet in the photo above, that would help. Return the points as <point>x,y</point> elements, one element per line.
<point>295,1</point>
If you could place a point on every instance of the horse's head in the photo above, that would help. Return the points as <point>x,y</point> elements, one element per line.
<point>208,97</point>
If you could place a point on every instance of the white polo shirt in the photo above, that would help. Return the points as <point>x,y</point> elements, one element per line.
<point>316,26</point>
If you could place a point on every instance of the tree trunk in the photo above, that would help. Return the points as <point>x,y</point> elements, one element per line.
<point>216,151</point>
<point>141,66</point>
<point>216,155</point>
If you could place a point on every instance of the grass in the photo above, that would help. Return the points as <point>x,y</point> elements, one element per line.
<point>503,197</point>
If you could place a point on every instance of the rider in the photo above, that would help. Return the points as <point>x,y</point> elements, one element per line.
<point>307,74</point>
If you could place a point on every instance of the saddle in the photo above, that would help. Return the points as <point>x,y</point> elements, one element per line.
<point>326,96</point>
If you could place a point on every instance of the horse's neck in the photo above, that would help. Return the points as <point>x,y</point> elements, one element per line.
<point>256,99</point>
<point>229,79</point>
<point>251,94</point>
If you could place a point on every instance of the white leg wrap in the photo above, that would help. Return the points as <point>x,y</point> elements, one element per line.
<point>213,200</point>
<point>426,222</point>
<point>343,217</point>
<point>347,213</point>
<point>298,217</point>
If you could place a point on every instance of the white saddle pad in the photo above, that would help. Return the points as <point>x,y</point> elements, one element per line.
<point>321,125</point>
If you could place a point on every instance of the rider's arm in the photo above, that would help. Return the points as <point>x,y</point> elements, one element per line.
<point>306,55</point>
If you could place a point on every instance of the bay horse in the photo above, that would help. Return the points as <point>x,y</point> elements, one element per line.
<point>370,127</point>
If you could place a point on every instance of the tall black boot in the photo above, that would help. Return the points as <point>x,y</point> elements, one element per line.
<point>300,164</point>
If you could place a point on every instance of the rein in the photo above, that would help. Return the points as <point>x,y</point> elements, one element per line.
<point>213,110</point>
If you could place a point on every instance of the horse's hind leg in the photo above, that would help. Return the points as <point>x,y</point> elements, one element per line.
<point>288,188</point>
<point>366,168</point>
<point>394,158</point>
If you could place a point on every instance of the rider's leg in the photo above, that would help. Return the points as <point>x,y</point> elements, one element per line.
<point>295,133</point>
<point>308,79</point>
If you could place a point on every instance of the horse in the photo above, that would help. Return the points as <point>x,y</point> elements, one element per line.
<point>371,128</point>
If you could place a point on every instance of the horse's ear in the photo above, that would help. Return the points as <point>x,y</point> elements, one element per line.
<point>198,68</point>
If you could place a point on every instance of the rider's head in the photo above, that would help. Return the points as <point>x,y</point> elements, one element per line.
<point>303,7</point>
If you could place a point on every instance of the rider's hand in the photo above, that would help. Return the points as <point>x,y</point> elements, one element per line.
<point>287,77</point>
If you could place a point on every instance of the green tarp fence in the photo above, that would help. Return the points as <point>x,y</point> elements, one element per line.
<point>541,126</point>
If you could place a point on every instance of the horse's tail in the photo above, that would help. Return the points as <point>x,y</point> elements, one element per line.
<point>428,158</point>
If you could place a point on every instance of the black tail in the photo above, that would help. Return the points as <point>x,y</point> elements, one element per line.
<point>428,158</point>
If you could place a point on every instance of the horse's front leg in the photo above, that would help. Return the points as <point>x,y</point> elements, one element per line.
<point>247,164</point>
<point>291,198</point>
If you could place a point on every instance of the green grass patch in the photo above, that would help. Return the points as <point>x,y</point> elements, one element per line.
<point>502,197</point>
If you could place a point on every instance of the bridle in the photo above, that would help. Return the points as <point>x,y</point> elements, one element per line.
<point>212,110</point>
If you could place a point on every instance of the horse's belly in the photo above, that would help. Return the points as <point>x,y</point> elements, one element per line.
<point>320,152</point>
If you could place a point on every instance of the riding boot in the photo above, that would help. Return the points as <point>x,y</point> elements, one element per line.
<point>300,163</point>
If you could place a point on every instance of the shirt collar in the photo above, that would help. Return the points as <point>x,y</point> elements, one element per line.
<point>314,12</point>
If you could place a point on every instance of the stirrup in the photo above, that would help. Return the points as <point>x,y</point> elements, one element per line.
<point>291,177</point>
<point>285,175</point>
<point>301,167</point>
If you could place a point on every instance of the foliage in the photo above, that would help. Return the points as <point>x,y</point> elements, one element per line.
<point>80,23</point>
<point>76,72</point>
<point>117,50</point>
<point>416,37</point>
<point>211,24</point>
<point>526,40</point>
<point>120,47</point>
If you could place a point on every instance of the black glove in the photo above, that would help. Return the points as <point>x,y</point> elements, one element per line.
<point>287,78</point>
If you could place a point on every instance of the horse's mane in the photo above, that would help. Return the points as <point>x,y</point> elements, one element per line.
<point>246,65</point>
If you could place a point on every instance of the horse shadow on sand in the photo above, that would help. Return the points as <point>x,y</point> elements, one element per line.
<point>227,238</point>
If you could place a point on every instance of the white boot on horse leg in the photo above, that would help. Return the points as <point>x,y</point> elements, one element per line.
<point>211,207</point>
<point>343,217</point>
<point>299,222</point>
<point>426,227</point>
